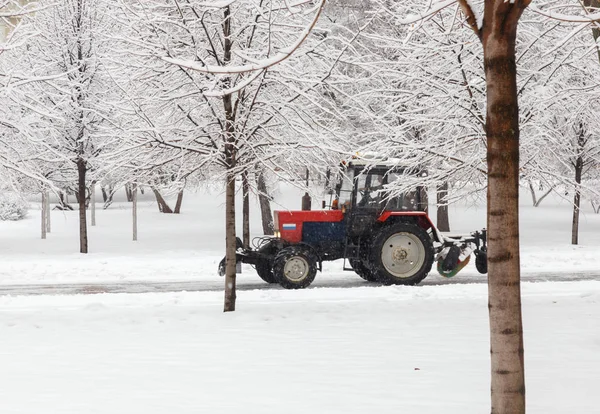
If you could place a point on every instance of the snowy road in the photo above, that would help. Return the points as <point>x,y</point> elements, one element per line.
<point>249,281</point>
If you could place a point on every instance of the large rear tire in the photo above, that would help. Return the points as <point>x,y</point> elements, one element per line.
<point>402,254</point>
<point>295,267</point>
<point>363,270</point>
<point>264,268</point>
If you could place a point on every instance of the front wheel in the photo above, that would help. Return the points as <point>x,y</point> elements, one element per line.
<point>295,267</point>
<point>402,254</point>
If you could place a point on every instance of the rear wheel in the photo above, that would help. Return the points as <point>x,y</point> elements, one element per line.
<point>363,270</point>
<point>402,254</point>
<point>264,268</point>
<point>295,267</point>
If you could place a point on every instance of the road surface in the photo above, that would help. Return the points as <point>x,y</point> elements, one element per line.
<point>248,281</point>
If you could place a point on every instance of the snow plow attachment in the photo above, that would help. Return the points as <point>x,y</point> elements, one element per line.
<point>262,253</point>
<point>456,253</point>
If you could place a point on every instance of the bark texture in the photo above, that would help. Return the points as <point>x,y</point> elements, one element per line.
<point>265,205</point>
<point>578,164</point>
<point>246,210</point>
<point>179,202</point>
<point>81,173</point>
<point>443,221</point>
<point>44,214</point>
<point>163,207</point>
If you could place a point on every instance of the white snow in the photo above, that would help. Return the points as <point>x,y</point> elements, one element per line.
<point>343,347</point>
<point>388,350</point>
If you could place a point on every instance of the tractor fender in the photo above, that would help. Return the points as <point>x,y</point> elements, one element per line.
<point>421,217</point>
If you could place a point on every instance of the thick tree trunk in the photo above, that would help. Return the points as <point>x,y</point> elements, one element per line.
<point>83,238</point>
<point>134,211</point>
<point>163,207</point>
<point>43,211</point>
<point>577,200</point>
<point>498,36</point>
<point>265,205</point>
<point>178,202</point>
<point>245,210</point>
<point>443,221</point>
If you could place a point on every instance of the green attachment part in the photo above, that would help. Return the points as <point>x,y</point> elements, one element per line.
<point>454,271</point>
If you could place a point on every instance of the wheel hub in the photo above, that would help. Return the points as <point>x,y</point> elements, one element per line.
<point>296,268</point>
<point>399,255</point>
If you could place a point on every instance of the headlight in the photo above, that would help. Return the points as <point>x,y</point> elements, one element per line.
<point>277,234</point>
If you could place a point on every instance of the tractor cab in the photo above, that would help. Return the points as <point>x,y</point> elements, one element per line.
<point>363,186</point>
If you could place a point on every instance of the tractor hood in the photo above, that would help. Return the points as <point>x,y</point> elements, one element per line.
<point>288,224</point>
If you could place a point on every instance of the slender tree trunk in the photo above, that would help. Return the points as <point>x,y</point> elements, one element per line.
<point>43,211</point>
<point>163,207</point>
<point>83,238</point>
<point>93,204</point>
<point>104,194</point>
<point>48,210</point>
<point>246,210</point>
<point>443,221</point>
<point>230,245</point>
<point>577,200</point>
<point>178,202</point>
<point>265,205</point>
<point>230,160</point>
<point>134,210</point>
<point>498,36</point>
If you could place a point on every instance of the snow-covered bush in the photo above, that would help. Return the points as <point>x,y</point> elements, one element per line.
<point>12,207</point>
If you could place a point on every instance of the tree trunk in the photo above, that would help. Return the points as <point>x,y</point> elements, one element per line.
<point>498,36</point>
<point>230,161</point>
<point>178,202</point>
<point>265,205</point>
<point>443,221</point>
<point>43,211</point>
<point>246,210</point>
<point>577,197</point>
<point>134,210</point>
<point>83,239</point>
<point>163,207</point>
<point>230,245</point>
<point>93,204</point>
<point>48,221</point>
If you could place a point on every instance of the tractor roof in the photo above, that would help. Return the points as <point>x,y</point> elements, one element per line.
<point>374,160</point>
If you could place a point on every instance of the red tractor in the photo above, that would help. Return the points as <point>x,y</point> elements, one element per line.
<point>386,238</point>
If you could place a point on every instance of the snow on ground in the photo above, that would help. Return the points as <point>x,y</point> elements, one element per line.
<point>414,350</point>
